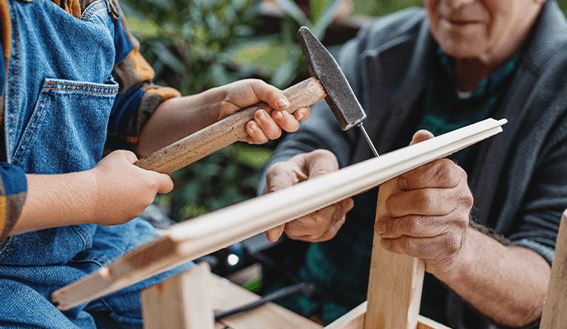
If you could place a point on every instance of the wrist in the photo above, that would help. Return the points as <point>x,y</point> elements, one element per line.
<point>96,177</point>
<point>460,264</point>
<point>211,101</point>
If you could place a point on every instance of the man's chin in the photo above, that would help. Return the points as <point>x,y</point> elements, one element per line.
<point>463,49</point>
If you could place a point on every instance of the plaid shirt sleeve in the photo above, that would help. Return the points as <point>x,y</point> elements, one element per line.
<point>13,186</point>
<point>138,97</point>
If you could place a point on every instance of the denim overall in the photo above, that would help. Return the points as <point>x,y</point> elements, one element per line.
<point>59,95</point>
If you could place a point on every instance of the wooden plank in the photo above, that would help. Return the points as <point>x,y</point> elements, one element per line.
<point>226,295</point>
<point>355,320</point>
<point>352,320</point>
<point>396,281</point>
<point>182,302</point>
<point>219,229</point>
<point>426,323</point>
<point>555,309</point>
<point>225,132</point>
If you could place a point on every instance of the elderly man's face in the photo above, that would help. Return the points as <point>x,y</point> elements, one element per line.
<point>477,28</point>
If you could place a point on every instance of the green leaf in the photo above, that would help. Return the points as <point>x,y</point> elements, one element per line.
<point>326,19</point>
<point>293,11</point>
<point>317,8</point>
<point>285,74</point>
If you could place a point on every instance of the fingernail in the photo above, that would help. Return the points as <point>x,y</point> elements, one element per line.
<point>253,125</point>
<point>279,115</point>
<point>264,115</point>
<point>282,103</point>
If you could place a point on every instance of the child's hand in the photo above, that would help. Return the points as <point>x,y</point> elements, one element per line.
<point>124,190</point>
<point>264,127</point>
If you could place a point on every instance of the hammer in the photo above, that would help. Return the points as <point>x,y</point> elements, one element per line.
<point>327,82</point>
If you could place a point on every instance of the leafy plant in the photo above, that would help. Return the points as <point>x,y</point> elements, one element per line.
<point>189,41</point>
<point>288,61</point>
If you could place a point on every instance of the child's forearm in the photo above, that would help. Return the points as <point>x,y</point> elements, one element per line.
<point>112,193</point>
<point>57,200</point>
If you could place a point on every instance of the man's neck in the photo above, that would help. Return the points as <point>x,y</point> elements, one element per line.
<point>471,71</point>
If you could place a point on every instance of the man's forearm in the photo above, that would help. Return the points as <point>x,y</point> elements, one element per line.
<point>505,283</point>
<point>179,117</point>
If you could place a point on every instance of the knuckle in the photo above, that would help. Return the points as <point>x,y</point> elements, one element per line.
<point>414,224</point>
<point>467,200</point>
<point>425,199</point>
<point>452,244</point>
<point>408,245</point>
<point>442,171</point>
<point>323,153</point>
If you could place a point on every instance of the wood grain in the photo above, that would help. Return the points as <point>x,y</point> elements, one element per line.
<point>219,229</point>
<point>352,320</point>
<point>225,132</point>
<point>396,280</point>
<point>555,309</point>
<point>355,320</point>
<point>426,323</point>
<point>181,302</point>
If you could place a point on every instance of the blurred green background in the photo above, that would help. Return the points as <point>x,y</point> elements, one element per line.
<point>198,44</point>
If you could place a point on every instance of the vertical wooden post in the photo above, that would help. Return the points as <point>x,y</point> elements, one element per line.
<point>182,302</point>
<point>555,309</point>
<point>396,281</point>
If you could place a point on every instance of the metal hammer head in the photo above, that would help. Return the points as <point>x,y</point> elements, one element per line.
<point>323,66</point>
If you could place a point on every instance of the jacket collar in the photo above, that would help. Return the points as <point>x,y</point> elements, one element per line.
<point>549,32</point>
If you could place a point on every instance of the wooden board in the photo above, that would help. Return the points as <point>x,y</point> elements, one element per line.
<point>555,309</point>
<point>219,229</point>
<point>355,320</point>
<point>396,281</point>
<point>181,302</point>
<point>352,320</point>
<point>226,295</point>
<point>426,323</point>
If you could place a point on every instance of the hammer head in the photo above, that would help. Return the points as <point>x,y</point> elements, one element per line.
<point>324,67</point>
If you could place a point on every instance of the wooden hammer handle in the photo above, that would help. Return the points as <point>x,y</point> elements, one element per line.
<point>225,132</point>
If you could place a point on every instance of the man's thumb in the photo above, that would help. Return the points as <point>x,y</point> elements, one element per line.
<point>421,136</point>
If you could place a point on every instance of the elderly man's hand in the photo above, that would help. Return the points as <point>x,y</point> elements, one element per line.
<point>425,213</point>
<point>321,225</point>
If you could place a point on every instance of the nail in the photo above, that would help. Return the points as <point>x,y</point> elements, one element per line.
<point>253,125</point>
<point>282,103</point>
<point>279,115</point>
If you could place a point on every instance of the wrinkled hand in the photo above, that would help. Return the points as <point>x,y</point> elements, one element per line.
<point>321,225</point>
<point>264,127</point>
<point>124,190</point>
<point>425,213</point>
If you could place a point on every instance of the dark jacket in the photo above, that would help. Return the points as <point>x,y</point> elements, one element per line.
<point>519,178</point>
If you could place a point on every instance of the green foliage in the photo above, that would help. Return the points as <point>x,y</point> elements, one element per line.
<point>321,16</point>
<point>189,41</point>
<point>382,7</point>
